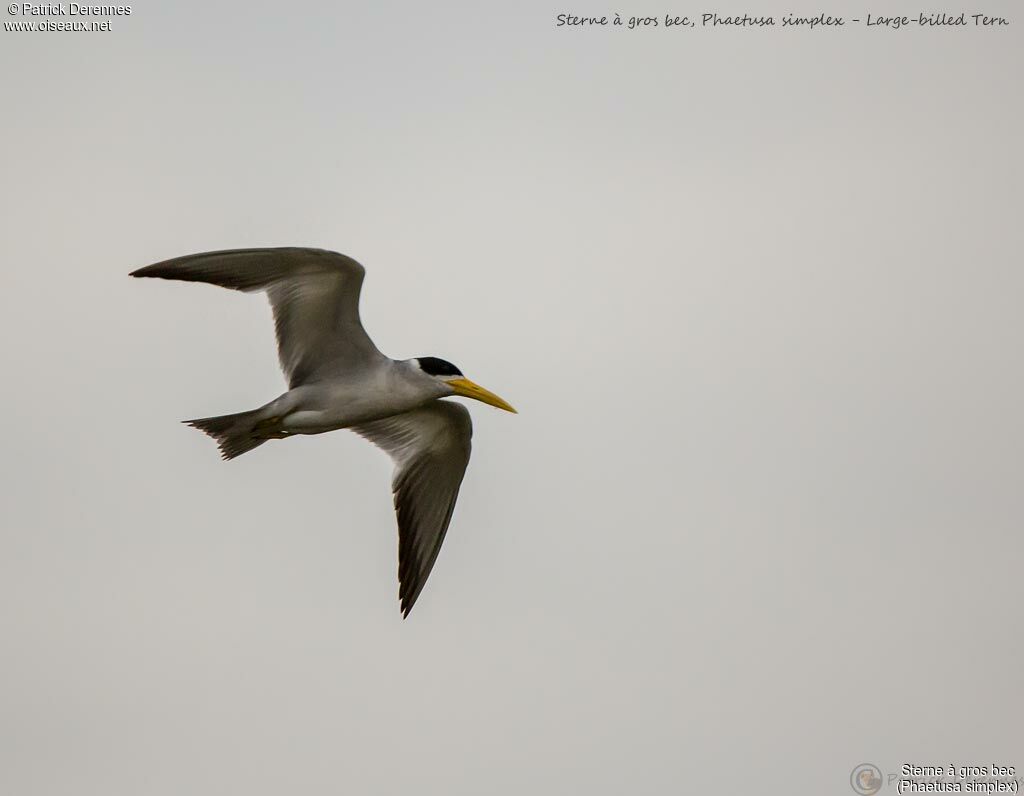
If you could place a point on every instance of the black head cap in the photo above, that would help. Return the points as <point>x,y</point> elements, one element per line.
<point>437,367</point>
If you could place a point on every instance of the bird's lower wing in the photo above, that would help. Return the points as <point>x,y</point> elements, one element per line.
<point>314,295</point>
<point>430,447</point>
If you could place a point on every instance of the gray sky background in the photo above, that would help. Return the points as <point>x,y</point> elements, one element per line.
<point>756,294</point>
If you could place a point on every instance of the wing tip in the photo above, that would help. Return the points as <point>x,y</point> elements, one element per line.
<point>407,596</point>
<point>405,604</point>
<point>146,270</point>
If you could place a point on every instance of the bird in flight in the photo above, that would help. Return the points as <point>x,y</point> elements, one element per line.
<point>338,379</point>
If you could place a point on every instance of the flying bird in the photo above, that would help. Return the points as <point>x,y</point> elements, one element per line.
<point>337,378</point>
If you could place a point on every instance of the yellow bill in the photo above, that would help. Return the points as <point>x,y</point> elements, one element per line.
<point>469,389</point>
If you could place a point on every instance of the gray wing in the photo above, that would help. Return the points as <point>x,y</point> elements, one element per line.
<point>430,448</point>
<point>314,295</point>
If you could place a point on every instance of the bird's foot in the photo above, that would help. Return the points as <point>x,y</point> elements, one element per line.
<point>270,428</point>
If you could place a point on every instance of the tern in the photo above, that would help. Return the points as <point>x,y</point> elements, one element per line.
<point>337,378</point>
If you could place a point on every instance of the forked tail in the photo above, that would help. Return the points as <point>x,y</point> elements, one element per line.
<point>235,434</point>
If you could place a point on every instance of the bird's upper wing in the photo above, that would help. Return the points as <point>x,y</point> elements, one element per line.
<point>430,447</point>
<point>314,295</point>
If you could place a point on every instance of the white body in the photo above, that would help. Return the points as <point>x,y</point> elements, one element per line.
<point>388,388</point>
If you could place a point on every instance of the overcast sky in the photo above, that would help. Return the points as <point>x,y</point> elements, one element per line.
<point>755,293</point>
